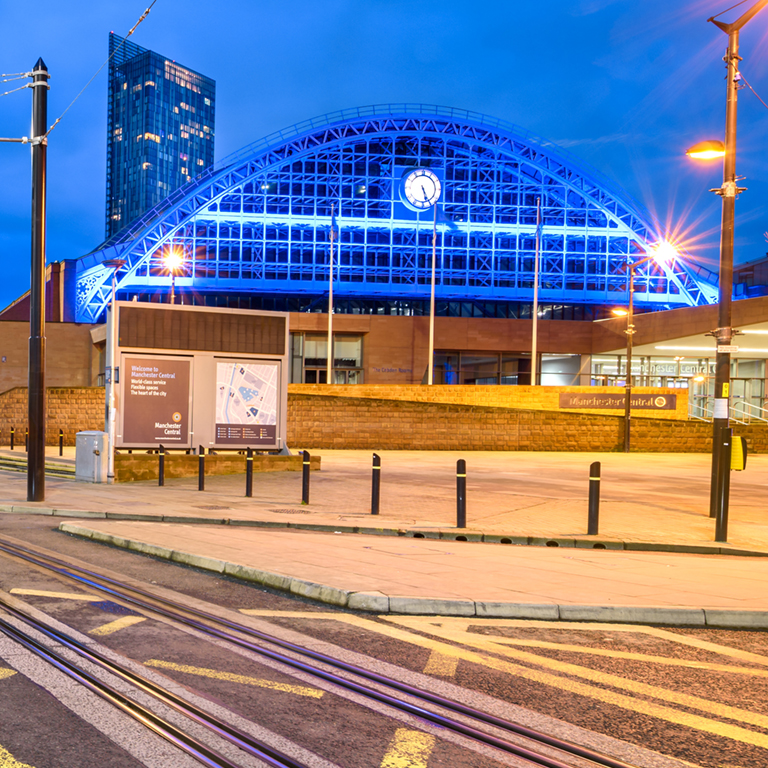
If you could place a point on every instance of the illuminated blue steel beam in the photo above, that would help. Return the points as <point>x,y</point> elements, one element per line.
<point>258,222</point>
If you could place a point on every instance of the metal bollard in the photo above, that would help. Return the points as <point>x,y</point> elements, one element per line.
<point>13,432</point>
<point>249,473</point>
<point>26,439</point>
<point>461,493</point>
<point>593,522</point>
<point>201,468</point>
<point>305,477</point>
<point>161,465</point>
<point>376,484</point>
<point>61,442</point>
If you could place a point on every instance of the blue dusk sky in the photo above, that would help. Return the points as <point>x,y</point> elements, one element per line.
<point>624,85</point>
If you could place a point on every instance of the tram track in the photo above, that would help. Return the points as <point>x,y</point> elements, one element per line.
<point>533,746</point>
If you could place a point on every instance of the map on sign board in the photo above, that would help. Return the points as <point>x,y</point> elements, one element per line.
<point>246,403</point>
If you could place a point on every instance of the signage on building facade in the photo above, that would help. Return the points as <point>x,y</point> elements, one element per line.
<point>156,401</point>
<point>616,402</point>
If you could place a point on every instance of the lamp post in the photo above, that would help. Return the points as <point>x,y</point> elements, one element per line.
<point>115,265</point>
<point>720,480</point>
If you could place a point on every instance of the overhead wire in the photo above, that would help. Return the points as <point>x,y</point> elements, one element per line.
<point>109,58</point>
<point>726,10</point>
<point>753,90</point>
<point>20,88</point>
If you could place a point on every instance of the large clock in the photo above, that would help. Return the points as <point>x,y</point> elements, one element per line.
<point>421,188</point>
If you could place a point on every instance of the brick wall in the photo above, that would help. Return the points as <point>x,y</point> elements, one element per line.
<point>72,409</point>
<point>318,421</point>
<point>528,398</point>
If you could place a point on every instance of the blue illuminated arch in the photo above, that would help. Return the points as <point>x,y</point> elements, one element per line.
<point>258,222</point>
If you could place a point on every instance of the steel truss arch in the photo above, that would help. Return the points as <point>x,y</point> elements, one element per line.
<point>258,221</point>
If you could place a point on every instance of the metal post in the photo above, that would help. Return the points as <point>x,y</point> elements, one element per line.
<point>161,465</point>
<point>329,359</point>
<point>628,377</point>
<point>593,522</point>
<point>720,480</point>
<point>36,418</point>
<point>535,330</point>
<point>61,442</point>
<point>461,493</point>
<point>249,473</point>
<point>13,433</point>
<point>26,440</point>
<point>431,352</point>
<point>305,477</point>
<point>376,484</point>
<point>724,484</point>
<point>201,468</point>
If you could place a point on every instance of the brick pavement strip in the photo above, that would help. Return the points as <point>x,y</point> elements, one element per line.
<point>405,577</point>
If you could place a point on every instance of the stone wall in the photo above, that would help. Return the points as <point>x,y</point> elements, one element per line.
<point>72,409</point>
<point>525,397</point>
<point>318,421</point>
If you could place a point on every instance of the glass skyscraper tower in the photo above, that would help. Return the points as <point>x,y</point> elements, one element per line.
<point>160,129</point>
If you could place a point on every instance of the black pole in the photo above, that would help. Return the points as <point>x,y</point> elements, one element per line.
<point>61,442</point>
<point>161,465</point>
<point>376,484</point>
<point>461,493</point>
<point>724,484</point>
<point>249,473</point>
<point>26,440</point>
<point>13,432</point>
<point>593,522</point>
<point>201,468</point>
<point>305,477</point>
<point>36,417</point>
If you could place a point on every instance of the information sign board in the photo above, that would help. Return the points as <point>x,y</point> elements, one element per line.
<point>247,403</point>
<point>155,401</point>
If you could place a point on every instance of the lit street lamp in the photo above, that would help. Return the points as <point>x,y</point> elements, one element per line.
<point>173,261</point>
<point>663,252</point>
<point>720,483</point>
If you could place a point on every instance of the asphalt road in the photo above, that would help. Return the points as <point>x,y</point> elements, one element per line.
<point>642,693</point>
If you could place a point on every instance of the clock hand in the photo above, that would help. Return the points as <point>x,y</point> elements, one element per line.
<point>426,199</point>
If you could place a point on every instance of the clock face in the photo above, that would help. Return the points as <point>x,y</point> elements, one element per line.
<point>422,188</point>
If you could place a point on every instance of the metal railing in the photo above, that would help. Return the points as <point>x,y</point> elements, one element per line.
<point>740,411</point>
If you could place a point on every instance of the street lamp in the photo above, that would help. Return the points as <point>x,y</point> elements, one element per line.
<point>115,265</point>
<point>662,252</point>
<point>173,260</point>
<point>720,482</point>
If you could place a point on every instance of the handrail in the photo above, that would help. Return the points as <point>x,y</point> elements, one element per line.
<point>740,412</point>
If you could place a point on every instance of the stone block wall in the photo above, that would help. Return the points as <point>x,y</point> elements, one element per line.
<point>72,409</point>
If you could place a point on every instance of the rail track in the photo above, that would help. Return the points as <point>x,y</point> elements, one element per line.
<point>533,746</point>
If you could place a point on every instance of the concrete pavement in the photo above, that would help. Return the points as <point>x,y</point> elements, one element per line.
<point>649,502</point>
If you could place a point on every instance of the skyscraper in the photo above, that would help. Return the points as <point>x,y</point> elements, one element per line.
<point>160,129</point>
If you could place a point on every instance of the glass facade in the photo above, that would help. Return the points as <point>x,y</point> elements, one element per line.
<point>309,358</point>
<point>160,130</point>
<point>257,228</point>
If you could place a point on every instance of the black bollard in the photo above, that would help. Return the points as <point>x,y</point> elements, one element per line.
<point>376,484</point>
<point>593,522</point>
<point>26,440</point>
<point>461,493</point>
<point>201,468</point>
<point>305,477</point>
<point>161,466</point>
<point>61,442</point>
<point>249,473</point>
<point>13,432</point>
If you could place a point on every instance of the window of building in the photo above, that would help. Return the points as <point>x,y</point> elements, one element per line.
<point>309,358</point>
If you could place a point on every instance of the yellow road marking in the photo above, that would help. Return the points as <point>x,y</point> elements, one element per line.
<point>440,664</point>
<point>630,656</point>
<point>7,760</point>
<point>299,690</point>
<point>6,673</point>
<point>114,626</point>
<point>409,749</point>
<point>60,595</point>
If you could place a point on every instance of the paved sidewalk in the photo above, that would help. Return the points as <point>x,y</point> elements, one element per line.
<point>649,502</point>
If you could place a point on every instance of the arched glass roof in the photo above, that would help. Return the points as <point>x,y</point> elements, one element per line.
<point>259,221</point>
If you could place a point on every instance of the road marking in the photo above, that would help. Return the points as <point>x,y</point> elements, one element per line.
<point>60,595</point>
<point>440,664</point>
<point>409,749</point>
<point>114,626</point>
<point>6,673</point>
<point>7,760</point>
<point>690,664</point>
<point>299,690</point>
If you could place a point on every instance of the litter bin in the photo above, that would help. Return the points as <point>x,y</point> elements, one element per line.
<point>91,457</point>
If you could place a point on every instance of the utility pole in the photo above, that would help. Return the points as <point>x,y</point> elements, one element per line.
<point>36,413</point>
